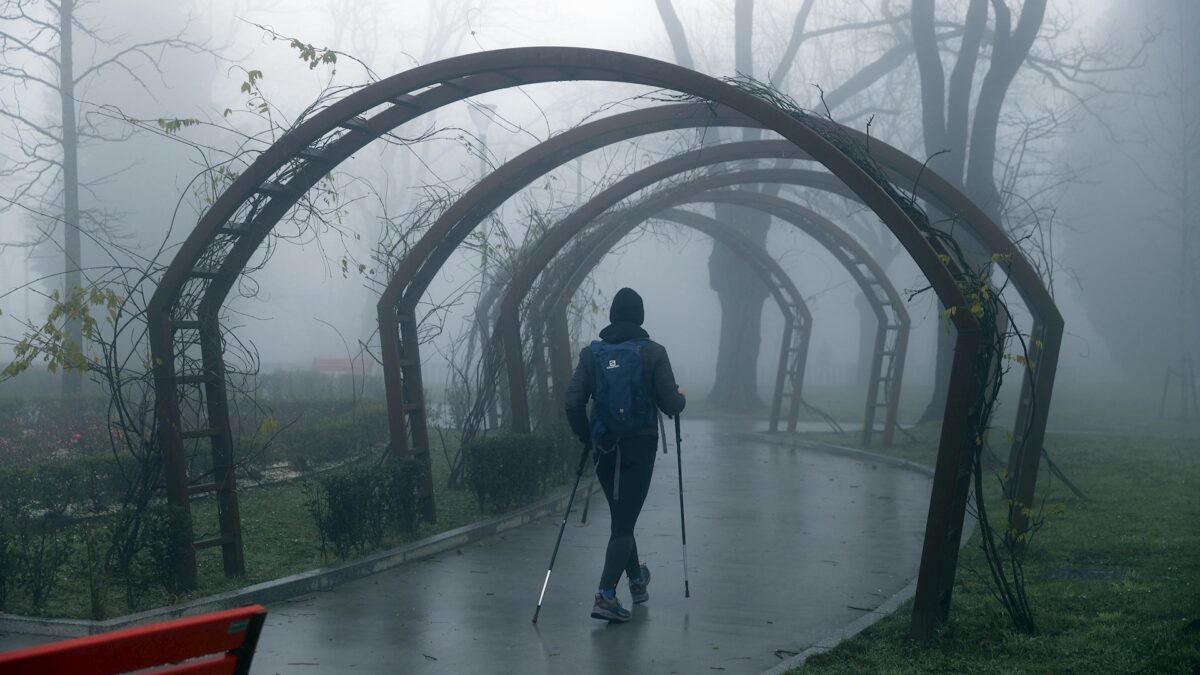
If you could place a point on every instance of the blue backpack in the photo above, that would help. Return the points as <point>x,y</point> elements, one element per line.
<point>621,405</point>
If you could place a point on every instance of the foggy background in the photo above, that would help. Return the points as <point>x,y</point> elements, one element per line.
<point>1096,163</point>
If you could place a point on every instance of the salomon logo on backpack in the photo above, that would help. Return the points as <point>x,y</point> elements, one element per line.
<point>621,403</point>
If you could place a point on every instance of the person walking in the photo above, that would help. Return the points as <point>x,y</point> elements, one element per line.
<point>628,378</point>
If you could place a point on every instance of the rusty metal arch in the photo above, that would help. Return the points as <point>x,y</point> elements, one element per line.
<point>196,283</point>
<point>793,351</point>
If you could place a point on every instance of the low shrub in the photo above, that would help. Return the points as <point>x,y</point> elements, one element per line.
<point>93,540</point>
<point>66,517</point>
<point>33,551</point>
<point>508,470</point>
<point>355,508</point>
<point>76,486</point>
<point>307,435</point>
<point>8,560</point>
<point>166,535</point>
<point>38,504</point>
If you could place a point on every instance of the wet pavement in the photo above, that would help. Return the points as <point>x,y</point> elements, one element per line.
<point>784,546</point>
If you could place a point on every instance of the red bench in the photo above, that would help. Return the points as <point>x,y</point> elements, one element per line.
<point>210,644</point>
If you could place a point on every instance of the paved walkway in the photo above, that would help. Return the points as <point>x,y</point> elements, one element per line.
<point>784,546</point>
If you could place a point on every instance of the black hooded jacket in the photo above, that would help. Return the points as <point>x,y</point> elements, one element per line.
<point>656,367</point>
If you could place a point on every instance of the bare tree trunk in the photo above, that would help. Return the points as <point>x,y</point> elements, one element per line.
<point>675,33</point>
<point>933,129</point>
<point>739,290</point>
<point>962,78</point>
<point>1008,54</point>
<point>741,294</point>
<point>72,380</point>
<point>946,123</point>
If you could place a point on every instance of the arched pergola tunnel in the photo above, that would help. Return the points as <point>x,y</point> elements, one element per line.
<point>893,322</point>
<point>912,171</point>
<point>891,338</point>
<point>548,307</point>
<point>564,277</point>
<point>797,324</point>
<point>1045,333</point>
<point>184,312</point>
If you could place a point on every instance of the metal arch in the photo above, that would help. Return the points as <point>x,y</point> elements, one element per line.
<point>950,489</point>
<point>949,501</point>
<point>858,263</point>
<point>451,228</point>
<point>520,66</point>
<point>1047,327</point>
<point>1046,331</point>
<point>793,354</point>
<point>559,276</point>
<point>890,311</point>
<point>403,292</point>
<point>793,346</point>
<point>891,337</point>
<point>491,196</point>
<point>183,312</point>
<point>893,323</point>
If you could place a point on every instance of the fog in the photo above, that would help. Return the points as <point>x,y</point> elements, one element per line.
<point>1097,186</point>
<point>293,292</point>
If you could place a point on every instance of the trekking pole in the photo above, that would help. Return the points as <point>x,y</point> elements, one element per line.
<point>587,450</point>
<point>687,592</point>
<point>662,433</point>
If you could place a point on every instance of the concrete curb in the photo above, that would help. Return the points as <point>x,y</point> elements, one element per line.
<point>320,579</point>
<point>889,605</point>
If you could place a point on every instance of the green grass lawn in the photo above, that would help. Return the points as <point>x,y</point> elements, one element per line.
<point>281,538</point>
<point>1142,520</point>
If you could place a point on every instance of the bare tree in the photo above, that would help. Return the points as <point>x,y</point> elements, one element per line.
<point>1164,146</point>
<point>964,128</point>
<point>37,62</point>
<point>739,292</point>
<point>960,149</point>
<point>1173,132</point>
<point>966,132</point>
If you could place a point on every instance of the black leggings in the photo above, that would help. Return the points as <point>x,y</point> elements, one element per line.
<point>633,482</point>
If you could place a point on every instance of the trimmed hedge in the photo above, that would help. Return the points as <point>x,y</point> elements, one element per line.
<point>354,509</point>
<point>508,470</point>
<point>82,484</point>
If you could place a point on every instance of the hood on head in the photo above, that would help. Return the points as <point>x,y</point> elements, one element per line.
<point>627,308</point>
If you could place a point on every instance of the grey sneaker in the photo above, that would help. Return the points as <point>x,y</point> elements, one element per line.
<point>609,609</point>
<point>637,587</point>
